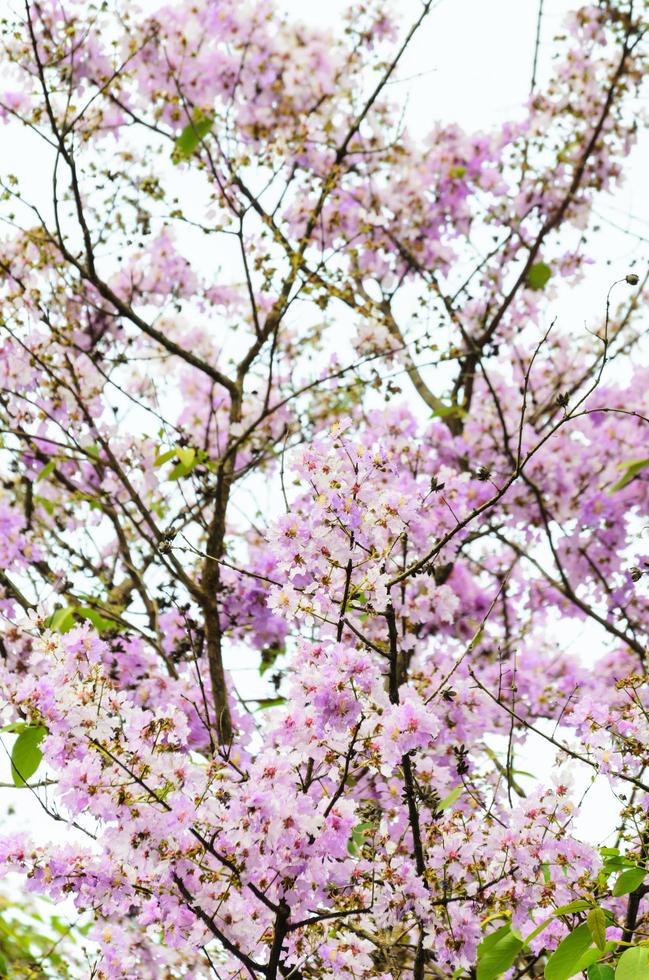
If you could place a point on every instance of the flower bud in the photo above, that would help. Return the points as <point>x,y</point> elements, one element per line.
<point>632,279</point>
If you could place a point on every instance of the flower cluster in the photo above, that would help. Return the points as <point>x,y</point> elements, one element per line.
<point>305,512</point>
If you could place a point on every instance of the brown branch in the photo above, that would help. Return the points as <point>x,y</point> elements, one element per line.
<point>253,968</point>
<point>279,935</point>
<point>550,224</point>
<point>553,741</point>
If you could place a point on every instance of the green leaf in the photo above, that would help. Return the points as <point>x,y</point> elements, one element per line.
<point>597,924</point>
<point>268,657</point>
<point>61,620</point>
<point>538,276</point>
<point>179,471</point>
<point>600,971</point>
<point>632,469</point>
<point>26,755</point>
<point>444,411</point>
<point>357,838</point>
<point>191,137</point>
<point>188,459</point>
<point>477,638</point>
<point>616,863</point>
<point>633,964</point>
<point>186,455</point>
<point>16,727</point>
<point>629,881</point>
<point>101,624</point>
<point>264,703</point>
<point>48,505</point>
<point>594,955</point>
<point>579,905</point>
<point>45,472</point>
<point>92,450</point>
<point>164,457</point>
<point>450,799</point>
<point>590,957</point>
<point>360,828</point>
<point>497,952</point>
<point>564,962</point>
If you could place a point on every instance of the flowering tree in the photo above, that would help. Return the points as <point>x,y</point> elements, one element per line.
<point>279,388</point>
